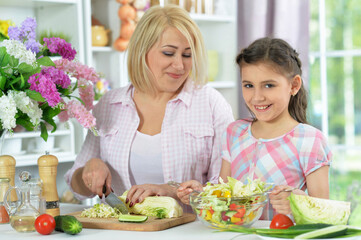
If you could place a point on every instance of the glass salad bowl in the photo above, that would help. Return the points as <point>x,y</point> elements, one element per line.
<point>221,212</point>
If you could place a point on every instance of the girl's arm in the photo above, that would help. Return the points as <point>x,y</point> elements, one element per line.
<point>317,186</point>
<point>225,170</point>
<point>317,183</point>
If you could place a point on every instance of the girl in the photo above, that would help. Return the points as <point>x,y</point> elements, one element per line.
<point>276,144</point>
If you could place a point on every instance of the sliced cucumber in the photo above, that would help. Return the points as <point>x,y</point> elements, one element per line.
<point>327,232</point>
<point>132,218</point>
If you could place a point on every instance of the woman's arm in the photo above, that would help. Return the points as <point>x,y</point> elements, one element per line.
<point>91,178</point>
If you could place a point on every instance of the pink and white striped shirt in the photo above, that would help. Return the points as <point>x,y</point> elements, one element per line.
<point>191,135</point>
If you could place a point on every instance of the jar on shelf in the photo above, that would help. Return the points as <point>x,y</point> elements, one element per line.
<point>100,36</point>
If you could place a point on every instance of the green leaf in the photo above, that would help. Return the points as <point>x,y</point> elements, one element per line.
<point>2,82</point>
<point>25,123</point>
<point>3,37</point>
<point>13,61</point>
<point>22,84</point>
<point>25,68</point>
<point>46,61</point>
<point>44,131</point>
<point>4,57</point>
<point>14,81</point>
<point>51,122</point>
<point>34,95</point>
<point>50,112</point>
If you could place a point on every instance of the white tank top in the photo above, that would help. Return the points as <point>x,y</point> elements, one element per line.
<point>145,160</point>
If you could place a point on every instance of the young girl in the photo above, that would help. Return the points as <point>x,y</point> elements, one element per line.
<point>276,145</point>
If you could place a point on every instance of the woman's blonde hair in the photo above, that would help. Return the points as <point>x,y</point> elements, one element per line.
<point>149,30</point>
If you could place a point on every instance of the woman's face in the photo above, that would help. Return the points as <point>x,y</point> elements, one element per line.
<point>170,60</point>
<point>266,92</point>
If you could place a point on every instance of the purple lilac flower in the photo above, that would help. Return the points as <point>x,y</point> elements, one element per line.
<point>58,76</point>
<point>46,87</point>
<point>33,45</point>
<point>60,46</point>
<point>26,34</point>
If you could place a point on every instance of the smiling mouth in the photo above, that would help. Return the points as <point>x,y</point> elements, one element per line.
<point>173,75</point>
<point>264,107</point>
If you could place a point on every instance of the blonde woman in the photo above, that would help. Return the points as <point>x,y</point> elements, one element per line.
<point>164,126</point>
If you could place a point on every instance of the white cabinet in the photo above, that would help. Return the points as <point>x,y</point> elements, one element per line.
<point>63,142</point>
<point>64,16</point>
<point>219,33</point>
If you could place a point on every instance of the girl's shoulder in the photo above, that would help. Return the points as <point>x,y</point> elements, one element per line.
<point>239,126</point>
<point>309,134</point>
<point>306,131</point>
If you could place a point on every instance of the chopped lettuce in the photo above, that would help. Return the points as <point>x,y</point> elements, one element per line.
<point>307,210</point>
<point>236,188</point>
<point>100,211</point>
<point>231,203</point>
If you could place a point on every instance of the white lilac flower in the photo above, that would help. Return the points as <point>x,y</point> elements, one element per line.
<point>19,51</point>
<point>27,106</point>
<point>7,112</point>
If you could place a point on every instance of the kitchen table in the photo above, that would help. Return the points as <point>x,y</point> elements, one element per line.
<point>194,230</point>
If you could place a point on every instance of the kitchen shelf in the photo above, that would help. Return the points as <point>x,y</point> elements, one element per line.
<point>102,49</point>
<point>112,64</point>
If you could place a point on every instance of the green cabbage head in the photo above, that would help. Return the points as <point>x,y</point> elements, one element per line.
<point>308,210</point>
<point>160,207</point>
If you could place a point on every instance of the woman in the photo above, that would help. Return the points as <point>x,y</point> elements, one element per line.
<point>165,126</point>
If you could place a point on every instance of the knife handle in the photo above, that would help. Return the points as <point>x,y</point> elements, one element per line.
<point>104,189</point>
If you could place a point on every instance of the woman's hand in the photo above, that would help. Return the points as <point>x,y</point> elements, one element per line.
<point>186,188</point>
<point>138,193</point>
<point>278,198</point>
<point>95,174</point>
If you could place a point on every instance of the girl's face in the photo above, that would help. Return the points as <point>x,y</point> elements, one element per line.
<point>266,92</point>
<point>170,60</point>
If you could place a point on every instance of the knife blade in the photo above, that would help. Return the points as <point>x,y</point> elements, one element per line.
<point>114,201</point>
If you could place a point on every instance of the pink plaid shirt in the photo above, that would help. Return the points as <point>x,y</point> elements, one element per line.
<point>190,136</point>
<point>285,160</point>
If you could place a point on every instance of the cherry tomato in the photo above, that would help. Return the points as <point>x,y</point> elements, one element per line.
<point>45,224</point>
<point>281,221</point>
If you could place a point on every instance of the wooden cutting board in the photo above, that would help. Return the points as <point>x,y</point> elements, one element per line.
<point>152,224</point>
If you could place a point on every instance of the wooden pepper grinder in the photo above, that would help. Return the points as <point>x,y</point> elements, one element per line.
<point>7,170</point>
<point>47,171</point>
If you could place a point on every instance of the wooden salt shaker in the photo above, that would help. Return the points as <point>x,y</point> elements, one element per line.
<point>7,170</point>
<point>47,171</point>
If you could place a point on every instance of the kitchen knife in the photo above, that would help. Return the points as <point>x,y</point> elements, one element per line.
<point>114,201</point>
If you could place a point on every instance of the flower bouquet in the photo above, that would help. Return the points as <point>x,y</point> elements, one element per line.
<point>35,89</point>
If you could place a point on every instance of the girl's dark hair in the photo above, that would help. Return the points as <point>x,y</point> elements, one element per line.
<point>284,58</point>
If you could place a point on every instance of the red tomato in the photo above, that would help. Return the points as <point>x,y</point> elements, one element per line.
<point>281,221</point>
<point>45,224</point>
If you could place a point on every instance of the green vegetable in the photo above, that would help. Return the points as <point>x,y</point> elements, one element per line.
<point>307,210</point>
<point>327,232</point>
<point>68,224</point>
<point>132,218</point>
<point>100,211</point>
<point>160,207</point>
<point>310,226</point>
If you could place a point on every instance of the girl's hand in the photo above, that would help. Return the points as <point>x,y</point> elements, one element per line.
<point>186,188</point>
<point>138,193</point>
<point>278,198</point>
<point>95,174</point>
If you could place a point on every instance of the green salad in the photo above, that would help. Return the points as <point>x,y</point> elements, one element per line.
<point>231,203</point>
